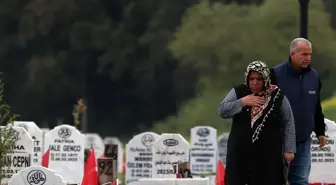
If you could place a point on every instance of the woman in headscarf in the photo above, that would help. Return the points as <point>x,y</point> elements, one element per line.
<point>262,137</point>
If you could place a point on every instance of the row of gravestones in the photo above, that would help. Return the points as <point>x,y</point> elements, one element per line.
<point>39,175</point>
<point>168,149</point>
<point>66,150</point>
<point>149,155</point>
<point>67,145</point>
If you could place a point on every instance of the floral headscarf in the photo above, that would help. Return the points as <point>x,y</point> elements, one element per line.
<point>262,69</point>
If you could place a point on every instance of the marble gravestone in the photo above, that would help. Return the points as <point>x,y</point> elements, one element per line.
<point>139,157</point>
<point>323,159</point>
<point>203,152</point>
<point>36,175</point>
<point>94,140</point>
<point>44,132</point>
<point>168,149</point>
<point>21,156</point>
<point>222,147</point>
<point>37,135</point>
<point>66,146</point>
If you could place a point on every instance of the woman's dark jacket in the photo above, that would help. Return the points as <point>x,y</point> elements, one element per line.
<point>261,162</point>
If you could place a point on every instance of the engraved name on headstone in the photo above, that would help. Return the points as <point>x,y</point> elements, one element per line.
<point>139,157</point>
<point>21,156</point>
<point>66,145</point>
<point>168,149</point>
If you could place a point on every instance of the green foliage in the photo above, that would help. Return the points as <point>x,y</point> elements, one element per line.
<point>330,7</point>
<point>196,112</point>
<point>112,53</point>
<point>329,108</point>
<point>115,55</point>
<point>7,141</point>
<point>220,40</point>
<point>122,178</point>
<point>6,131</point>
<point>241,2</point>
<point>330,113</point>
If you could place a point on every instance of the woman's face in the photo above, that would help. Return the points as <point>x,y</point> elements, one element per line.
<point>256,82</point>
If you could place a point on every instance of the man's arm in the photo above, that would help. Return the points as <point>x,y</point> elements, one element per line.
<point>319,117</point>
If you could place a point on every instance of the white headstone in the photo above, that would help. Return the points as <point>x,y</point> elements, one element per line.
<point>168,149</point>
<point>139,157</point>
<point>324,159</point>
<point>193,181</point>
<point>116,141</point>
<point>66,146</point>
<point>37,135</point>
<point>21,156</point>
<point>36,175</point>
<point>45,130</point>
<point>94,140</point>
<point>203,151</point>
<point>222,147</point>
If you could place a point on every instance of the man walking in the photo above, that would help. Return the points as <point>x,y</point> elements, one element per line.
<point>301,85</point>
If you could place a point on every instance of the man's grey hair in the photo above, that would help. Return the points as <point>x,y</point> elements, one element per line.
<point>295,42</point>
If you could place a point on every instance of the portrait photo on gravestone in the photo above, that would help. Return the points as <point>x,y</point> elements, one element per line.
<point>182,170</point>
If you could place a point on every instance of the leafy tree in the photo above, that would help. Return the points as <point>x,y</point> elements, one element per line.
<point>241,2</point>
<point>114,54</point>
<point>196,112</point>
<point>329,108</point>
<point>6,131</point>
<point>330,8</point>
<point>111,53</point>
<point>219,46</point>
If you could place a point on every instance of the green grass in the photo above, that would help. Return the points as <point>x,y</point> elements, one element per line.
<point>329,108</point>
